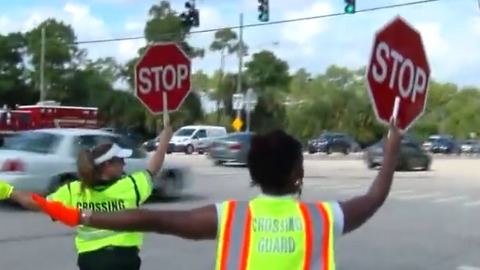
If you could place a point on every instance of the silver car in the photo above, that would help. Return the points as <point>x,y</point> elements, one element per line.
<point>42,160</point>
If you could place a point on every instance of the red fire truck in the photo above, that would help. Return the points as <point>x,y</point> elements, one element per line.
<point>47,114</point>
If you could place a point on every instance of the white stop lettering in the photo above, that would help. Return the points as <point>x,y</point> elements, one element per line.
<point>162,78</point>
<point>417,77</point>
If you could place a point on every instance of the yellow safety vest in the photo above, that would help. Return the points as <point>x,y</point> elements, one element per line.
<point>126,193</point>
<point>275,234</point>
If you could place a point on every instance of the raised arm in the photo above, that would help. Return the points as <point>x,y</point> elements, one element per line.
<point>359,209</point>
<point>159,156</point>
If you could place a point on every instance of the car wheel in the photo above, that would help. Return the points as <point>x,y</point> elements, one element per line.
<point>311,151</point>
<point>426,167</point>
<point>218,163</point>
<point>189,149</point>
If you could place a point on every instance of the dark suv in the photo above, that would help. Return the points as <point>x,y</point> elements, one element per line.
<point>332,142</point>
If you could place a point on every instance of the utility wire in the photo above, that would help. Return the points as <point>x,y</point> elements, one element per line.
<point>267,23</point>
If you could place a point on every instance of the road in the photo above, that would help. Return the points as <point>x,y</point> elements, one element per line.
<point>430,221</point>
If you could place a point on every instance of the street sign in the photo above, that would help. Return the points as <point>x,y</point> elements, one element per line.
<point>398,70</point>
<point>237,124</point>
<point>251,100</point>
<point>162,77</point>
<point>238,101</point>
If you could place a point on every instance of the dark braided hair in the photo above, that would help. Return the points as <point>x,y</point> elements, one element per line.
<point>272,159</point>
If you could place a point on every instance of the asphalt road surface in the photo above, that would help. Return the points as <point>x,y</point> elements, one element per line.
<point>430,222</point>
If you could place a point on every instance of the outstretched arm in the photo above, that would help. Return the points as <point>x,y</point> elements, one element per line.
<point>195,224</point>
<point>25,200</point>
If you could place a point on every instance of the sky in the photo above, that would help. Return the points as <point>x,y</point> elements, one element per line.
<point>450,30</point>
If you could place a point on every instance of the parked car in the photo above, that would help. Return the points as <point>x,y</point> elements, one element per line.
<point>442,144</point>
<point>412,156</point>
<point>42,160</point>
<point>469,146</point>
<point>189,139</point>
<point>232,148</point>
<point>333,142</point>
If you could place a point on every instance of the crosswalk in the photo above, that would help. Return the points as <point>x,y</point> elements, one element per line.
<point>402,194</point>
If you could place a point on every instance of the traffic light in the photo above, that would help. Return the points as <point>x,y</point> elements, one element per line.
<point>263,11</point>
<point>350,6</point>
<point>191,16</point>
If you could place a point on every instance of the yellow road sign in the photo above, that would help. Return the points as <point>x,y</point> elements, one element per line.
<point>237,124</point>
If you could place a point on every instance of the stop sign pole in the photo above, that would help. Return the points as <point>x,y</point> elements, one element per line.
<point>398,74</point>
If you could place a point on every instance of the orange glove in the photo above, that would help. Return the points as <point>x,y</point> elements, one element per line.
<point>56,210</point>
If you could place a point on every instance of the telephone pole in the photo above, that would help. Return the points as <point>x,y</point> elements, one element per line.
<point>43,94</point>
<point>241,53</point>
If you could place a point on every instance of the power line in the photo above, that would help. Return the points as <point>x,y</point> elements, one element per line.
<point>265,24</point>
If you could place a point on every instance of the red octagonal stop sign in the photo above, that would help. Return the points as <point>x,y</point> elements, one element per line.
<point>398,67</point>
<point>164,67</point>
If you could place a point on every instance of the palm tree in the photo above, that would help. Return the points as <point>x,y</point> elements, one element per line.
<point>226,42</point>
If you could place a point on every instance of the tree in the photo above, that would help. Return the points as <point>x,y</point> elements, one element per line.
<point>15,86</point>
<point>269,77</point>
<point>62,56</point>
<point>226,42</point>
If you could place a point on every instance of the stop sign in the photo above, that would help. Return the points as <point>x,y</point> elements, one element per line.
<point>398,67</point>
<point>164,68</point>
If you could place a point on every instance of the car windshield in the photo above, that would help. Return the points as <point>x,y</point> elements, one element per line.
<point>184,132</point>
<point>36,142</point>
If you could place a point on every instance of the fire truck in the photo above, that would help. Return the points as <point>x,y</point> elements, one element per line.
<point>47,114</point>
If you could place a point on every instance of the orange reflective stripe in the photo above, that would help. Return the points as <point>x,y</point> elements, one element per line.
<point>327,223</point>
<point>308,235</point>
<point>236,245</point>
<point>227,234</point>
<point>247,233</point>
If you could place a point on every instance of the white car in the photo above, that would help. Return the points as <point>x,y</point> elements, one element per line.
<point>42,160</point>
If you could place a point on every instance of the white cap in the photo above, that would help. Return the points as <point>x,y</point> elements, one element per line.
<point>115,151</point>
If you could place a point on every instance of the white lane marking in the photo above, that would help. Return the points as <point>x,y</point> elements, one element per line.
<point>467,267</point>
<point>472,204</point>
<point>449,199</point>
<point>417,196</point>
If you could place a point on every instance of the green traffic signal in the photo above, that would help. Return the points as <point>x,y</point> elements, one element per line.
<point>263,17</point>
<point>350,9</point>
